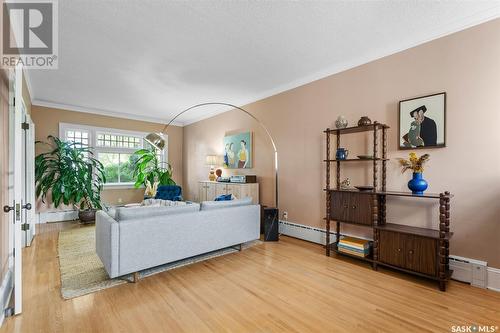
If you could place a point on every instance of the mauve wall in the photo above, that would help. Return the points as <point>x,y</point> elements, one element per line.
<point>466,65</point>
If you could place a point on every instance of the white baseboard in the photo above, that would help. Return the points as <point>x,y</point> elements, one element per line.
<point>463,272</point>
<point>57,216</point>
<point>5,292</point>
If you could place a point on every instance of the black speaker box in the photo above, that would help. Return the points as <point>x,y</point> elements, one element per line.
<point>271,224</point>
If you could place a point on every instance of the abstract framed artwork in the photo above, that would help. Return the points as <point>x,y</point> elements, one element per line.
<point>422,122</point>
<point>238,151</point>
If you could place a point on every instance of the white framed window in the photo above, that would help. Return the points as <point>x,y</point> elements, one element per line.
<point>114,148</point>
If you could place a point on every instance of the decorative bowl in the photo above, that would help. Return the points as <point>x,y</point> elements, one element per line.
<point>365,157</point>
<point>364,188</point>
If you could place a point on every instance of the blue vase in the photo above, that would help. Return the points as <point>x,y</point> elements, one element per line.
<point>417,184</point>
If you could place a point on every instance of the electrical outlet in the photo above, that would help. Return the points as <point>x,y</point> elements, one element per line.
<point>120,200</point>
<point>285,215</point>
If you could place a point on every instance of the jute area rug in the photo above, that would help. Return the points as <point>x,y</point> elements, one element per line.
<point>83,273</point>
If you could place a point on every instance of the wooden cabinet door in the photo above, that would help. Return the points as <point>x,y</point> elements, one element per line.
<point>420,254</point>
<point>220,189</point>
<point>391,250</point>
<point>202,192</point>
<point>211,190</point>
<point>235,189</point>
<point>339,206</point>
<point>360,208</point>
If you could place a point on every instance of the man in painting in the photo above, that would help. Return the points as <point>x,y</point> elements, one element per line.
<point>423,130</point>
<point>243,155</point>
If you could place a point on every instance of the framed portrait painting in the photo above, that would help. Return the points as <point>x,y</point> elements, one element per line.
<point>238,151</point>
<point>422,122</point>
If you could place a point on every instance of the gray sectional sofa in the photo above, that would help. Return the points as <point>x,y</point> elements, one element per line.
<point>129,240</point>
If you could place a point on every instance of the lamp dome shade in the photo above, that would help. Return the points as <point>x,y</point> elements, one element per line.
<point>212,160</point>
<point>157,140</point>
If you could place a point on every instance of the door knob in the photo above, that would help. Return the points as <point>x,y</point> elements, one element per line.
<point>7,208</point>
<point>27,206</point>
<point>411,251</point>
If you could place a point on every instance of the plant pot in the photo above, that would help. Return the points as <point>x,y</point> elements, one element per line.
<point>417,184</point>
<point>87,215</point>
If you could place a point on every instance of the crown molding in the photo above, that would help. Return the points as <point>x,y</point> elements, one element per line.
<point>102,112</point>
<point>471,21</point>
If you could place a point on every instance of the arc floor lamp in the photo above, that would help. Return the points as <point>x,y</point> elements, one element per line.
<point>158,139</point>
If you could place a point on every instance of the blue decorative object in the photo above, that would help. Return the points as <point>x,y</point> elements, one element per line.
<point>417,184</point>
<point>341,154</point>
<point>169,192</point>
<point>224,197</point>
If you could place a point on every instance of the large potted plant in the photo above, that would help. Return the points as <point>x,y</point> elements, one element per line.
<point>71,174</point>
<point>149,168</point>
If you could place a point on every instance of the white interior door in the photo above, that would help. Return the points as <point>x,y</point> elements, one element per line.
<point>16,183</point>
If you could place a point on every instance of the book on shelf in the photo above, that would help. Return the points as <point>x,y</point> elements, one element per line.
<point>355,242</point>
<point>354,250</point>
<point>354,253</point>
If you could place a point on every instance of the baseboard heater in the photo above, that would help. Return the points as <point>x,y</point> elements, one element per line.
<point>468,270</point>
<point>57,216</point>
<point>305,232</point>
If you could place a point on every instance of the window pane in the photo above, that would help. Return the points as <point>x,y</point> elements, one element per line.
<point>111,163</point>
<point>126,168</point>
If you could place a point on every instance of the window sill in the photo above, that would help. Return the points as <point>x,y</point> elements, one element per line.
<point>120,186</point>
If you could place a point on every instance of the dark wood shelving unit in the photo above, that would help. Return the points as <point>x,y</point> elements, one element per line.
<point>419,251</point>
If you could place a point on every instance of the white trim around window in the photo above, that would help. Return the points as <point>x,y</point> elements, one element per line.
<point>94,131</point>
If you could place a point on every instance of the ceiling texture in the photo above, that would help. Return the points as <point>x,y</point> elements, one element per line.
<point>149,60</point>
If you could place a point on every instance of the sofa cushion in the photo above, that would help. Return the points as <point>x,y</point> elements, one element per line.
<point>160,202</point>
<point>123,213</point>
<point>210,205</point>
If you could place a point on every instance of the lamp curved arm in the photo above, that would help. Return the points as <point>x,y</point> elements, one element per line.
<point>249,114</point>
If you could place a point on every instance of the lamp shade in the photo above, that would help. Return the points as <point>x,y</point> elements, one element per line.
<point>211,160</point>
<point>157,140</point>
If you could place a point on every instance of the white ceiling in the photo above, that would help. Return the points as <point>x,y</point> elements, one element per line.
<point>151,59</point>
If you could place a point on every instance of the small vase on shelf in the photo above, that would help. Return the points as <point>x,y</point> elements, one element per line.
<point>417,184</point>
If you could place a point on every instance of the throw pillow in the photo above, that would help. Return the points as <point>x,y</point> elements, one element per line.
<point>224,197</point>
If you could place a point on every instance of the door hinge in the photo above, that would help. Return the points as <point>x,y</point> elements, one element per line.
<point>25,126</point>
<point>14,252</point>
<point>25,226</point>
<point>14,100</point>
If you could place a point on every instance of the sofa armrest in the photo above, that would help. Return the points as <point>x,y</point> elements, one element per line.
<point>107,242</point>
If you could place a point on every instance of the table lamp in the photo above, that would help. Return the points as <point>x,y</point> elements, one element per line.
<point>211,161</point>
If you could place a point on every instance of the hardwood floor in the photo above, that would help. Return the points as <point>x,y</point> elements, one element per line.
<point>286,286</point>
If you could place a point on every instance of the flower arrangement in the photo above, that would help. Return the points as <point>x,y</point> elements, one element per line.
<point>414,163</point>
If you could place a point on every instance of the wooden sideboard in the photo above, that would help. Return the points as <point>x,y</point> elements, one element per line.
<point>209,190</point>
